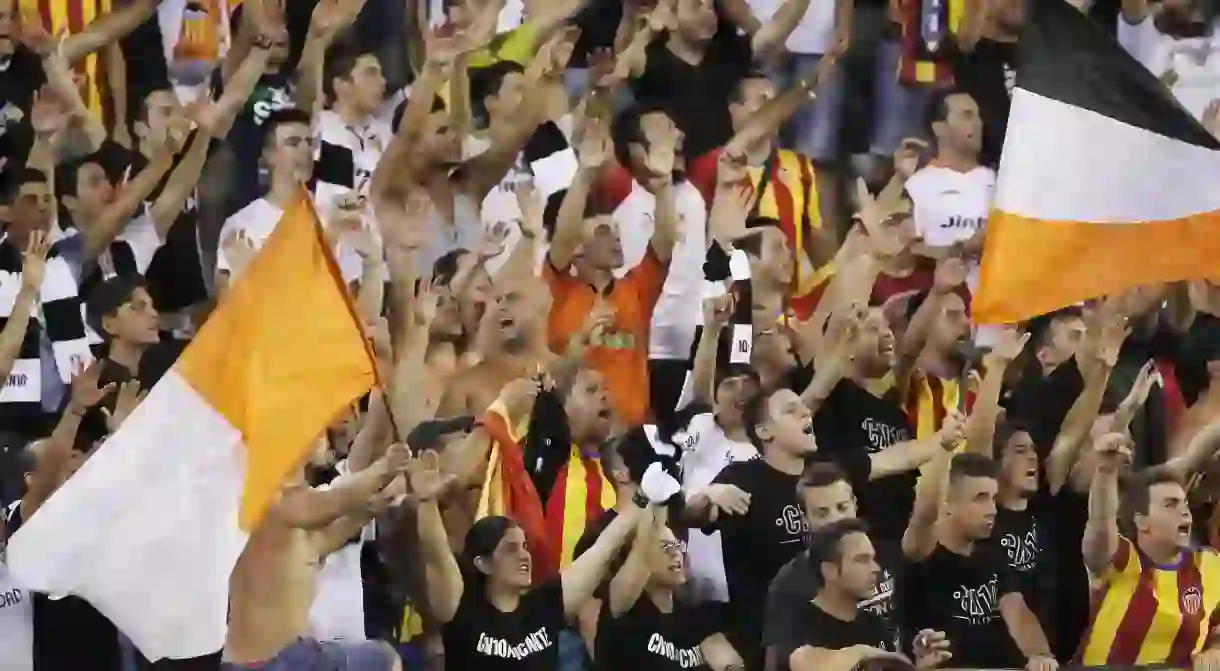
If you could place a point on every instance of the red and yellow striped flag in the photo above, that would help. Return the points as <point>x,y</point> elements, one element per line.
<point>509,491</point>
<point>581,495</point>
<point>73,16</point>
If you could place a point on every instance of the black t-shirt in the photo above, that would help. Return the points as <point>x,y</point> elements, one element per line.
<point>695,96</point>
<point>756,546</point>
<point>1022,541</point>
<point>69,634</point>
<point>960,596</point>
<point>819,629</point>
<point>245,140</point>
<point>797,584</point>
<point>853,424</point>
<point>481,637</point>
<point>987,72</point>
<point>646,639</point>
<point>20,76</point>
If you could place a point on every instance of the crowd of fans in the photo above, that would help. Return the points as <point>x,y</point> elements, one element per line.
<point>671,306</point>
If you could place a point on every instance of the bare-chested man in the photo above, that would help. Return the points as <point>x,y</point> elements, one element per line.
<point>275,580</point>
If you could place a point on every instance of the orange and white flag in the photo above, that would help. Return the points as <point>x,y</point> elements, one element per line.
<point>151,526</point>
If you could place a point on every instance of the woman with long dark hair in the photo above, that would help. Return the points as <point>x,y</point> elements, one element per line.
<point>493,617</point>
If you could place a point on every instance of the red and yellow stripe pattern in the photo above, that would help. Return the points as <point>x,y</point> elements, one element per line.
<point>581,494</point>
<point>917,63</point>
<point>73,16</point>
<point>509,491</point>
<point>1144,614</point>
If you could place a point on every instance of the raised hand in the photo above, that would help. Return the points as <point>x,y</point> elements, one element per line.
<point>425,477</point>
<point>952,431</point>
<point>444,44</point>
<point>906,159</point>
<point>717,311</point>
<point>47,116</point>
<point>332,16</point>
<point>427,301</point>
<point>129,397</point>
<point>239,250</point>
<point>731,167</point>
<point>1113,334</point>
<point>1113,452</point>
<point>532,209</point>
<point>34,260</point>
<point>950,274</point>
<point>519,395</point>
<point>397,457</point>
<point>1009,345</point>
<point>494,240</point>
<point>86,392</point>
<point>595,145</point>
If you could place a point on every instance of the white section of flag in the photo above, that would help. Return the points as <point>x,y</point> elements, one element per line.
<point>1066,163</point>
<point>148,530</point>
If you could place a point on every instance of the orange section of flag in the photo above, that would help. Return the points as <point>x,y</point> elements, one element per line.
<point>282,355</point>
<point>1089,260</point>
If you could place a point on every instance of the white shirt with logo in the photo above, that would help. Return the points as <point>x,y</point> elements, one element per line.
<point>706,452</point>
<point>16,625</point>
<point>951,206</point>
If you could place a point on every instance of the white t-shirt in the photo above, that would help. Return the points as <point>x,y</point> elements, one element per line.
<point>813,35</point>
<point>366,142</point>
<point>338,606</point>
<point>1195,60</point>
<point>951,206</point>
<point>679,310</point>
<point>16,625</point>
<point>259,218</point>
<point>706,452</point>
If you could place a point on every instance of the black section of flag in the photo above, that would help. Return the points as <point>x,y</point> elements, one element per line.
<point>1066,56</point>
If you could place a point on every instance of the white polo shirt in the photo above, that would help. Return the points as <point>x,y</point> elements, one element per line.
<point>1195,61</point>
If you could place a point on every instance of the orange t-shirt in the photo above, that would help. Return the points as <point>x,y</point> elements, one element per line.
<point>622,354</point>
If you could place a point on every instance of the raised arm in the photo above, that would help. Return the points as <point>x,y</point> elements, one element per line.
<point>33,269</point>
<point>1100,540</point>
<point>583,575</point>
<point>919,539</point>
<point>443,576</point>
<point>912,454</point>
<point>770,37</point>
<point>628,584</point>
<point>108,28</point>
<point>594,151</point>
<point>304,507</point>
<point>1079,421</point>
<point>130,198</point>
<point>330,17</point>
<point>980,428</point>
